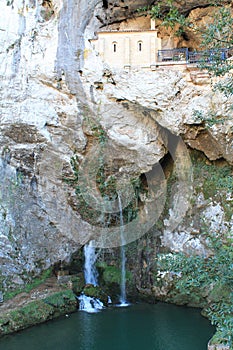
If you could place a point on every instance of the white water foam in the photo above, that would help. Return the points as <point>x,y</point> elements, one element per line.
<point>90,304</point>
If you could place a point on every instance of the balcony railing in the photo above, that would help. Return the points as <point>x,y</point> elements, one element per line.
<point>181,55</point>
<point>173,55</point>
<point>209,56</point>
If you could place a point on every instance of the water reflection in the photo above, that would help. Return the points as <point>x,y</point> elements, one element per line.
<point>138,327</point>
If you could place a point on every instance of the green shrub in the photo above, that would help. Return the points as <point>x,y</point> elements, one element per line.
<point>211,277</point>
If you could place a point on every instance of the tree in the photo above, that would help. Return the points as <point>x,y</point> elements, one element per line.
<point>216,36</point>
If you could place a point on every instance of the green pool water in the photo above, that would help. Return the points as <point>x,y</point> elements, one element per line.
<point>137,327</point>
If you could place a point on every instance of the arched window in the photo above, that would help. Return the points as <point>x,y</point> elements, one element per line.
<point>114,46</point>
<point>140,46</point>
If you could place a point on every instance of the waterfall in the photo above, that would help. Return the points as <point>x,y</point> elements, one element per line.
<point>90,271</point>
<point>86,303</point>
<point>91,304</point>
<point>123,301</point>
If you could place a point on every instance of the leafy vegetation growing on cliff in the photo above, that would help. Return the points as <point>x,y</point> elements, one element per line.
<point>215,34</point>
<point>213,180</point>
<point>107,187</point>
<point>211,277</point>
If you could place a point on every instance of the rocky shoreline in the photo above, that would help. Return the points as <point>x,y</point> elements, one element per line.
<point>48,301</point>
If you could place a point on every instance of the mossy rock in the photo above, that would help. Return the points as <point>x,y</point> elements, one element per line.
<point>112,274</point>
<point>38,311</point>
<point>110,279</point>
<point>78,283</point>
<point>95,292</point>
<point>64,301</point>
<point>29,315</point>
<point>192,299</point>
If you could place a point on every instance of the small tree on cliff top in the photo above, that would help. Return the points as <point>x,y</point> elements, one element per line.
<point>215,35</point>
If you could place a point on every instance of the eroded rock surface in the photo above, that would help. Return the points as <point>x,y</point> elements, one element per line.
<point>55,94</point>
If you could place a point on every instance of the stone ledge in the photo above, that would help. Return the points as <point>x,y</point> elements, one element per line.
<point>38,311</point>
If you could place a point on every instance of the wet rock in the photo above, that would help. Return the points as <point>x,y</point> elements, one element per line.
<point>53,87</point>
<point>38,311</point>
<point>96,292</point>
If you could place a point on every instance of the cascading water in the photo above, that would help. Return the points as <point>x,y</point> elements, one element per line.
<point>90,304</point>
<point>90,271</point>
<point>86,303</point>
<point>123,301</point>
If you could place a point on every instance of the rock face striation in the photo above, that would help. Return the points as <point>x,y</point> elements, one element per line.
<point>60,103</point>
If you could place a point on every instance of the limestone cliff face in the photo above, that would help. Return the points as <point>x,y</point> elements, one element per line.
<point>119,10</point>
<point>58,99</point>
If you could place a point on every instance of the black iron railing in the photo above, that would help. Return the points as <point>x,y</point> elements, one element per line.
<point>209,56</point>
<point>181,55</point>
<point>173,55</point>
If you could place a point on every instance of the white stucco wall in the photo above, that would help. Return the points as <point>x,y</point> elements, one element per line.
<point>123,48</point>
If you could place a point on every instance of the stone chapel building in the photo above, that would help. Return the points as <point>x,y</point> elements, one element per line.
<point>132,45</point>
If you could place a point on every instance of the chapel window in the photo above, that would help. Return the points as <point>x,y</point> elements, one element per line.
<point>140,46</point>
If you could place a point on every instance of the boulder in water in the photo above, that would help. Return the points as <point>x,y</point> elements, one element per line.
<point>96,292</point>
